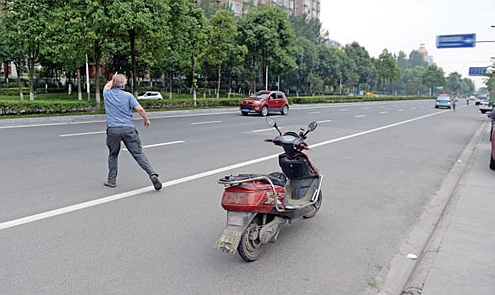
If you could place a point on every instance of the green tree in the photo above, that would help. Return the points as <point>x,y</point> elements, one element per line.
<point>364,67</point>
<point>467,86</point>
<point>138,20</point>
<point>402,60</point>
<point>490,81</point>
<point>309,28</point>
<point>315,82</point>
<point>72,37</point>
<point>176,55</point>
<point>220,45</point>
<point>330,66</point>
<point>269,39</point>
<point>454,82</point>
<point>433,77</point>
<point>306,60</point>
<point>416,59</point>
<point>24,27</point>
<point>387,68</point>
<point>196,42</point>
<point>412,80</point>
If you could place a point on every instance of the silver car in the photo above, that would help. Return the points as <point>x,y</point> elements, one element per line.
<point>486,106</point>
<point>443,101</point>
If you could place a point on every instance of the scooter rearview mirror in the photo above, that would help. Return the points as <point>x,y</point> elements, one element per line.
<point>272,123</point>
<point>312,126</point>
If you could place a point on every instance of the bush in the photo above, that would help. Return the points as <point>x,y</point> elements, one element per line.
<point>37,107</point>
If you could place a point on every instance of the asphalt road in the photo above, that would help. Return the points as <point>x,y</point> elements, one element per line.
<point>63,232</point>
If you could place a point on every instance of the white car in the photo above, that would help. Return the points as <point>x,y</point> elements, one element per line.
<point>149,95</point>
<point>443,101</point>
<point>485,106</point>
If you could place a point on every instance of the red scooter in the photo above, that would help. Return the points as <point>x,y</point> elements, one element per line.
<point>259,204</point>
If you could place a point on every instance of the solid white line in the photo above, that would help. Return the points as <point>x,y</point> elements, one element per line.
<point>49,124</point>
<point>120,196</point>
<point>208,122</point>
<point>159,144</point>
<point>93,203</point>
<point>359,116</point>
<point>80,134</point>
<point>324,121</point>
<point>375,129</point>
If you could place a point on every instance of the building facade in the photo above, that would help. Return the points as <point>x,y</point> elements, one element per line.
<point>297,7</point>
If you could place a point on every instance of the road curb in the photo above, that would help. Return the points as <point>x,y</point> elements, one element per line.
<point>406,276</point>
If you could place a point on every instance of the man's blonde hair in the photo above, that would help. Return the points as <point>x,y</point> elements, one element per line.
<point>119,80</point>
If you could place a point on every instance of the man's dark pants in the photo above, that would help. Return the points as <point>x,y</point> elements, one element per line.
<point>130,137</point>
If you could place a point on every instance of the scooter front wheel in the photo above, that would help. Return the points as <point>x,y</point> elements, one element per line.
<point>250,247</point>
<point>316,207</point>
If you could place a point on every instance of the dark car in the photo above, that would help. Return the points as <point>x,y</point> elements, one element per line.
<point>264,102</point>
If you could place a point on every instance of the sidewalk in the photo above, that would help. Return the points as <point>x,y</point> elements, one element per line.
<point>465,250</point>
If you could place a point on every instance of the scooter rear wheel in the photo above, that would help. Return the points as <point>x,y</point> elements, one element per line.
<point>316,207</point>
<point>250,247</point>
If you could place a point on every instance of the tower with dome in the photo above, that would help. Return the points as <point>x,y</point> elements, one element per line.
<point>424,52</point>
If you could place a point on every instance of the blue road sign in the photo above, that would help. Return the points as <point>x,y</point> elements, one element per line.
<point>477,71</point>
<point>456,41</point>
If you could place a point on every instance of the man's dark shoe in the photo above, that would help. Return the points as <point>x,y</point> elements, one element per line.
<point>110,184</point>
<point>156,182</point>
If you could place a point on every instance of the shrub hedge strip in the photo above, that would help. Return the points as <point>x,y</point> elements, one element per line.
<point>40,107</point>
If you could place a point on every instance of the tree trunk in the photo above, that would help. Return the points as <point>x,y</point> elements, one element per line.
<point>31,77</point>
<point>19,84</point>
<point>193,88</point>
<point>170,80</point>
<point>97,74</point>
<point>230,83</point>
<point>132,38</point>
<point>79,91</point>
<point>219,75</point>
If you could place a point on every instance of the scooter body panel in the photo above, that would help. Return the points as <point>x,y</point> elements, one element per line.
<point>252,196</point>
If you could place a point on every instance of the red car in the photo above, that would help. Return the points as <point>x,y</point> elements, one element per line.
<point>264,102</point>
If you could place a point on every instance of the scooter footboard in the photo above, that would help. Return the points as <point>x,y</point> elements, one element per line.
<point>236,225</point>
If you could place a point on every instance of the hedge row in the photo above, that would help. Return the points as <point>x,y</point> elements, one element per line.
<point>35,107</point>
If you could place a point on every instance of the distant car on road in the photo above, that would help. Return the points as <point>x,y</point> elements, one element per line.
<point>485,106</point>
<point>264,102</point>
<point>149,95</point>
<point>443,101</point>
<point>479,99</point>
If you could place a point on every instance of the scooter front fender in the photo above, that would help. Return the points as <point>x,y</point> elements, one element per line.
<point>237,223</point>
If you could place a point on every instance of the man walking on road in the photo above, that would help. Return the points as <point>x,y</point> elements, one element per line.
<point>120,127</point>
<point>454,103</point>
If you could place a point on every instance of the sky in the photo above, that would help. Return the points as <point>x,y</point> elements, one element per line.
<point>402,25</point>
